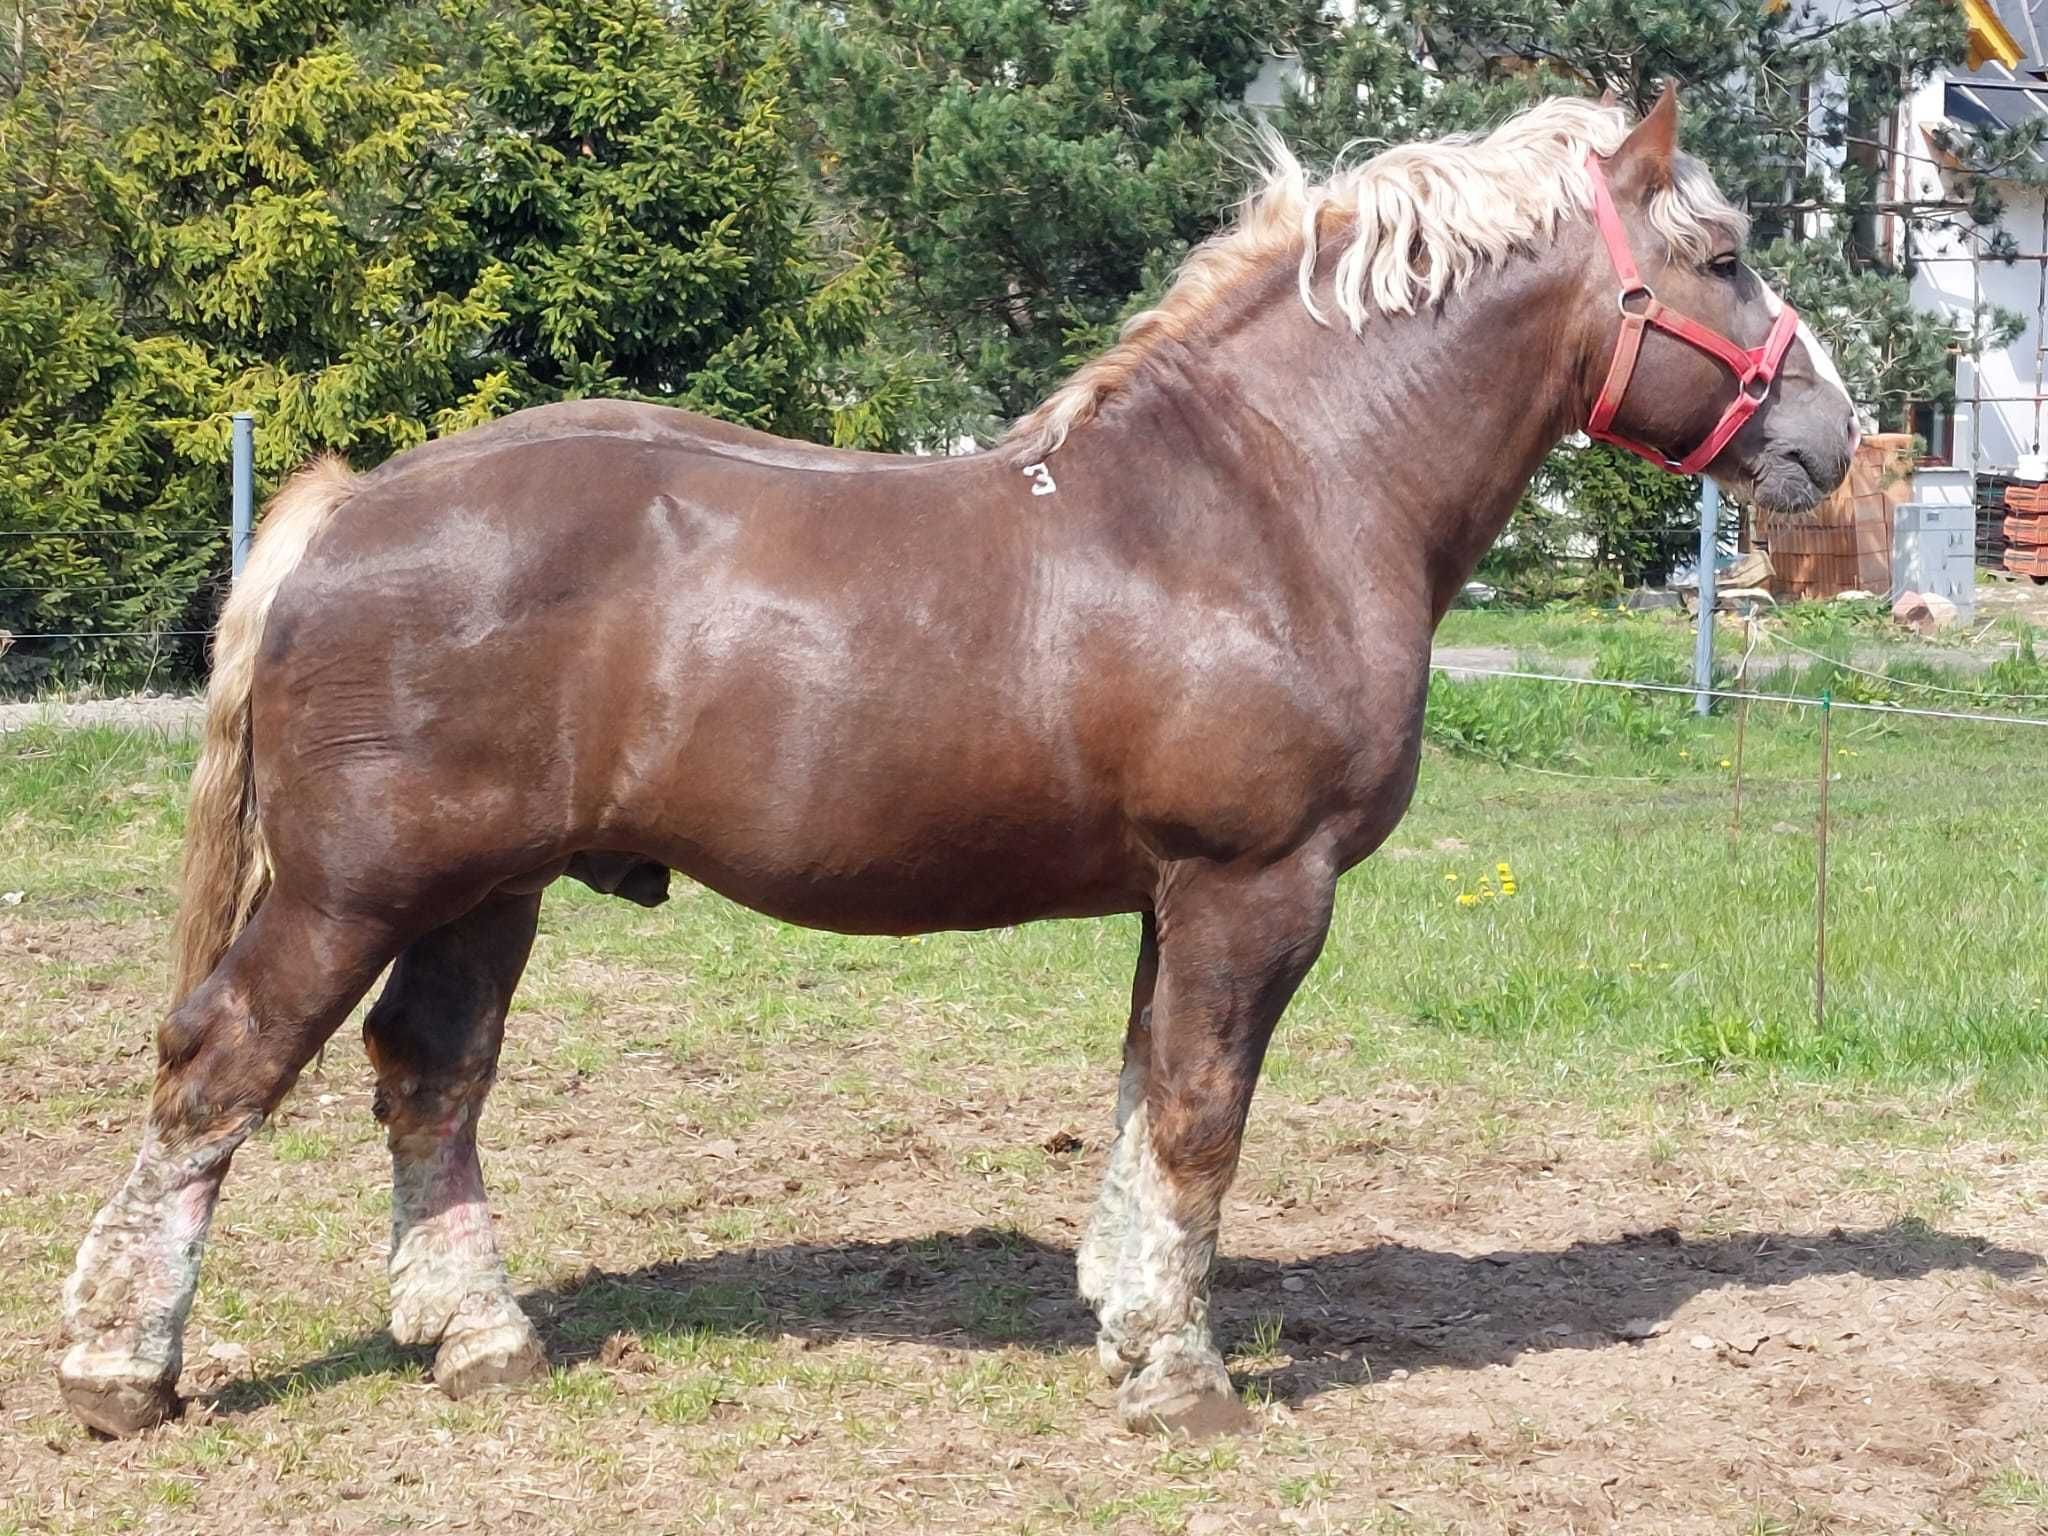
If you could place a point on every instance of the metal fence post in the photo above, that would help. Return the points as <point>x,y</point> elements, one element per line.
<point>245,487</point>
<point>1703,641</point>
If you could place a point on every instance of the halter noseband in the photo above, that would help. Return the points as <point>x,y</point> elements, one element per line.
<point>1755,368</point>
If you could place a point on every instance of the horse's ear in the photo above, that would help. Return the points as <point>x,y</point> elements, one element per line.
<point>1643,163</point>
<point>1608,99</point>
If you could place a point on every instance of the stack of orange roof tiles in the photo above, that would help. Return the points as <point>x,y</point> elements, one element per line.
<point>2026,530</point>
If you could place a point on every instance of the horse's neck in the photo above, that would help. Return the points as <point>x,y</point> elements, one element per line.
<point>1400,453</point>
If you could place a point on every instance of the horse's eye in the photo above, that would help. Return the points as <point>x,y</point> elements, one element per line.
<point>1726,265</point>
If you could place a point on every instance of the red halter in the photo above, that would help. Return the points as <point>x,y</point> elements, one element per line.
<point>1754,368</point>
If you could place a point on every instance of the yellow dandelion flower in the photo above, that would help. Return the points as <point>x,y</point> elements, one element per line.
<point>1467,899</point>
<point>1451,875</point>
<point>1726,763</point>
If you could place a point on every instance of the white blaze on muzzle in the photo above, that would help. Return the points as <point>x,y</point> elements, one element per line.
<point>1823,360</point>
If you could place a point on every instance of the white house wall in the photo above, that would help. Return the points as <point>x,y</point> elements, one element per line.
<point>1992,436</point>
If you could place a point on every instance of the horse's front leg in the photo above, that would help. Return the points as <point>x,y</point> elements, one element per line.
<point>1233,946</point>
<point>1096,1263</point>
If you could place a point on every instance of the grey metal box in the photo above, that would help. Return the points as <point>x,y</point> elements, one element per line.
<point>1934,549</point>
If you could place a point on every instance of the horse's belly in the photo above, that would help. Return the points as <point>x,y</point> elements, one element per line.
<point>861,799</point>
<point>971,880</point>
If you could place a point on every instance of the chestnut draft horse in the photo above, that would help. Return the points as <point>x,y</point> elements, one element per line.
<point>1164,650</point>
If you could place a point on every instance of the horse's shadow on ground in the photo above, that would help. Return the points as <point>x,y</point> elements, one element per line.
<point>1341,1317</point>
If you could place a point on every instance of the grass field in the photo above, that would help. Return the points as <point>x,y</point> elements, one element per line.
<point>1560,1211</point>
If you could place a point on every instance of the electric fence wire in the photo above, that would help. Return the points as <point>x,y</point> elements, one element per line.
<point>1908,682</point>
<point>1457,670</point>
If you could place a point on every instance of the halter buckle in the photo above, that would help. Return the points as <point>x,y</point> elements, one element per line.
<point>1641,290</point>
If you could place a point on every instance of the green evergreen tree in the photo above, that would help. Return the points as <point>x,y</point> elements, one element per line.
<point>207,206</point>
<point>85,542</point>
<point>272,229</point>
<point>629,168</point>
<point>350,219</point>
<point>1039,166</point>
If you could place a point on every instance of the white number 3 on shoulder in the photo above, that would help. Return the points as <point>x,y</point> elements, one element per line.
<point>1041,479</point>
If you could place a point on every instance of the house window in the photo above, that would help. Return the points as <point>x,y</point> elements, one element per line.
<point>1932,421</point>
<point>1935,426</point>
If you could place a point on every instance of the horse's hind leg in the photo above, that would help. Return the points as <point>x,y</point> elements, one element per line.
<point>225,1056</point>
<point>1232,948</point>
<point>433,1038</point>
<point>1095,1264</point>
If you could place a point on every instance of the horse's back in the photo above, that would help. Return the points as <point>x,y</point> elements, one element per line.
<point>623,421</point>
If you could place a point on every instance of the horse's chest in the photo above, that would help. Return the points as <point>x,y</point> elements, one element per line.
<point>1252,783</point>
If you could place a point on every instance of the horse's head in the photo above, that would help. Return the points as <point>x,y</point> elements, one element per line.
<point>1782,435</point>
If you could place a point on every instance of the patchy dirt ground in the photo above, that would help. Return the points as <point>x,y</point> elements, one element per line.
<point>828,1286</point>
<point>2020,599</point>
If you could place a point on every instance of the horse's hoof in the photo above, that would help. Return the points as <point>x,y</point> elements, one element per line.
<point>115,1394</point>
<point>498,1356</point>
<point>1183,1394</point>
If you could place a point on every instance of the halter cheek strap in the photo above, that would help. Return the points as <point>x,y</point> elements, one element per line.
<point>1755,368</point>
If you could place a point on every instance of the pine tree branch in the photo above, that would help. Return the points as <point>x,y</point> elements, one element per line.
<point>1885,8</point>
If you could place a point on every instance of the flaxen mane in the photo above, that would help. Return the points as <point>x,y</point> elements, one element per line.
<point>1417,221</point>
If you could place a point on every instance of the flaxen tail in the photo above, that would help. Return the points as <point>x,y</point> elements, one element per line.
<point>227,867</point>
